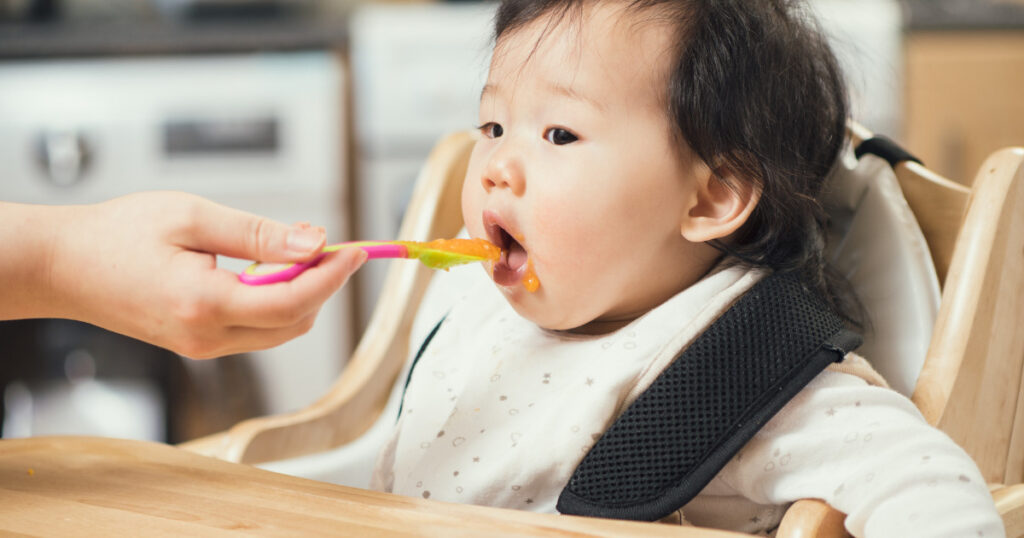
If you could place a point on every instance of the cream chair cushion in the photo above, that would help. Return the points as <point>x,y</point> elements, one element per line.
<point>877,244</point>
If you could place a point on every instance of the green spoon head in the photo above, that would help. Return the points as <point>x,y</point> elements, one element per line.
<point>445,253</point>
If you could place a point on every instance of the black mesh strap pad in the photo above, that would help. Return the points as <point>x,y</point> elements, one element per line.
<point>708,403</point>
<point>885,148</point>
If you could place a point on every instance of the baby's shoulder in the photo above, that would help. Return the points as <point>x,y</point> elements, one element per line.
<point>848,395</point>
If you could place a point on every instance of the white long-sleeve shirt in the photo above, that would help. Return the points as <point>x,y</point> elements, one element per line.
<point>499,412</point>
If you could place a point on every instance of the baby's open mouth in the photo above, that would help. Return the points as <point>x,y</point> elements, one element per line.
<point>511,266</point>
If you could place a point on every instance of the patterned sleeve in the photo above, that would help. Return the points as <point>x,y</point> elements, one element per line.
<point>868,452</point>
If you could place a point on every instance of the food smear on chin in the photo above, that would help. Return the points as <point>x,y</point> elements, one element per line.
<point>530,280</point>
<point>519,259</point>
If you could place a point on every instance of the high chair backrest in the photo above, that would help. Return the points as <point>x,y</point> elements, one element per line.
<point>971,381</point>
<point>969,385</point>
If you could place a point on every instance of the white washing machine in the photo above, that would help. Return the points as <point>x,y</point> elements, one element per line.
<point>263,132</point>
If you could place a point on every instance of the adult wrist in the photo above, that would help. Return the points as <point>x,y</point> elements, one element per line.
<point>59,289</point>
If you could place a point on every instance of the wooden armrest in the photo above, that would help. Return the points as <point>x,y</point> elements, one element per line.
<point>1010,504</point>
<point>211,445</point>
<point>808,518</point>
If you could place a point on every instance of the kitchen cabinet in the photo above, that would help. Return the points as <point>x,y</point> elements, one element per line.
<point>964,96</point>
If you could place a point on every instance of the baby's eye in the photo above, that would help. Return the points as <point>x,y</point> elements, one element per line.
<point>491,130</point>
<point>559,136</point>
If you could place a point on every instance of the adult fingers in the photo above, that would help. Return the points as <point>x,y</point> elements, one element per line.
<point>231,232</point>
<point>282,304</point>
<point>234,340</point>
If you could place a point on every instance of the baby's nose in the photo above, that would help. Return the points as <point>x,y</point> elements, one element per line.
<point>504,171</point>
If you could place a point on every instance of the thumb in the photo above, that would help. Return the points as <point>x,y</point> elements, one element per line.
<point>230,232</point>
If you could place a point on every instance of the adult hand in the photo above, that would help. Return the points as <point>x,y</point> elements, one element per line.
<point>144,265</point>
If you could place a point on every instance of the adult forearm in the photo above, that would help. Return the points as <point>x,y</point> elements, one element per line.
<point>145,265</point>
<point>28,238</point>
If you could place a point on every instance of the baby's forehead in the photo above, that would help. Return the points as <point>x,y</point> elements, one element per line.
<point>590,22</point>
<point>598,47</point>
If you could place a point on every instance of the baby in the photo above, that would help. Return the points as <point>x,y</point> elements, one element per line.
<point>649,161</point>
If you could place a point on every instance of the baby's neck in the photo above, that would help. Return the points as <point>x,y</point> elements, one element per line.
<point>599,326</point>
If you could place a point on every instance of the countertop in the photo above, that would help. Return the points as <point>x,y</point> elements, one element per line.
<point>155,36</point>
<point>90,486</point>
<point>963,15</point>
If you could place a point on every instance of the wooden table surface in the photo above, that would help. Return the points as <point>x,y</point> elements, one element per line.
<point>64,486</point>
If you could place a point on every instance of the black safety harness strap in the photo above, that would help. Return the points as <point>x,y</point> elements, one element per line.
<point>416,359</point>
<point>886,148</point>
<point>708,403</point>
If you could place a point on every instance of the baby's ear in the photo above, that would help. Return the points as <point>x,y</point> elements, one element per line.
<point>720,204</point>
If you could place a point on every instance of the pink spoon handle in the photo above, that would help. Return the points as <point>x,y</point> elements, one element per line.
<point>259,274</point>
<point>373,249</point>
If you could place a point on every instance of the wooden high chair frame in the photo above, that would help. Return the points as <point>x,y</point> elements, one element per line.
<point>970,385</point>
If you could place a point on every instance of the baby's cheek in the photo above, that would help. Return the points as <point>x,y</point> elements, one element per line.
<point>471,213</point>
<point>561,230</point>
<point>564,249</point>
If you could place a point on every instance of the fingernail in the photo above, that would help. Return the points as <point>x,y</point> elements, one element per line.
<point>304,239</point>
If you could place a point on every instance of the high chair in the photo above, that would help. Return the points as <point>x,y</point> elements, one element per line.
<point>967,378</point>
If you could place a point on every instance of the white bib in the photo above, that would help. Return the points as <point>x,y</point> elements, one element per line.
<point>499,412</point>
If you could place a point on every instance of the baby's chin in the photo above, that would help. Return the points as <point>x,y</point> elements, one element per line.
<point>535,308</point>
<point>569,322</point>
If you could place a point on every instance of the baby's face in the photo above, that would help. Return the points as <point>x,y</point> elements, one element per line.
<point>577,174</point>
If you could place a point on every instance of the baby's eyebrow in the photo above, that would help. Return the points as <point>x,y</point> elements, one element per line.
<point>566,91</point>
<point>488,88</point>
<point>557,89</point>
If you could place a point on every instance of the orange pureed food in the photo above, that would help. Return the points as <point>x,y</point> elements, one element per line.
<point>479,248</point>
<point>530,280</point>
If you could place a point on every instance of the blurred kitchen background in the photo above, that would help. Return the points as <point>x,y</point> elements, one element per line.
<point>323,111</point>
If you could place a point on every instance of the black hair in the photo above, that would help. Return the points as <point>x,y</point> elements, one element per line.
<point>756,92</point>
